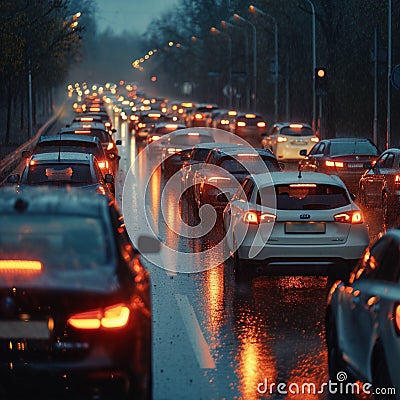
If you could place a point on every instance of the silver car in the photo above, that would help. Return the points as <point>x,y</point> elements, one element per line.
<point>289,223</point>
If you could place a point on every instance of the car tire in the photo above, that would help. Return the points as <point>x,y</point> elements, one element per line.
<point>380,373</point>
<point>336,364</point>
<point>240,271</point>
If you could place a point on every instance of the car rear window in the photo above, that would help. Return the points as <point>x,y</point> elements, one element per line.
<point>297,131</point>
<point>189,140</point>
<point>249,164</point>
<point>68,174</point>
<point>59,242</point>
<point>349,148</point>
<point>200,154</point>
<point>102,135</point>
<point>66,146</point>
<point>305,196</point>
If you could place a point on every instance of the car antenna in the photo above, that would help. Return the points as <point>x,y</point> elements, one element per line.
<point>299,175</point>
<point>59,148</point>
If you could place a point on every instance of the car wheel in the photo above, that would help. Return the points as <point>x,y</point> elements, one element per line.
<point>335,362</point>
<point>240,271</point>
<point>380,374</point>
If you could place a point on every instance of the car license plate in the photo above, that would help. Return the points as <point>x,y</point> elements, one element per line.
<point>24,330</point>
<point>305,227</point>
<point>355,165</point>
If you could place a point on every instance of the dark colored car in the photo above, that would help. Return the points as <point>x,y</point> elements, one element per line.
<point>63,169</point>
<point>380,185</point>
<point>344,157</point>
<point>250,125</point>
<point>141,123</point>
<point>213,186</point>
<point>97,130</point>
<point>75,316</point>
<point>201,115</point>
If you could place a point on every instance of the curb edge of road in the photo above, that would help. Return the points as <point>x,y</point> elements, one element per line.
<point>11,160</point>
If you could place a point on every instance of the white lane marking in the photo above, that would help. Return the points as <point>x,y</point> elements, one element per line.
<point>199,344</point>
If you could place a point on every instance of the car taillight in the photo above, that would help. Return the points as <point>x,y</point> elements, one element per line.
<point>396,318</point>
<point>110,146</point>
<point>173,150</point>
<point>241,123</point>
<point>198,116</point>
<point>116,316</point>
<point>261,124</point>
<point>397,179</point>
<point>107,124</point>
<point>154,138</point>
<point>258,217</point>
<point>101,190</point>
<point>224,122</point>
<point>350,217</point>
<point>281,139</point>
<point>315,139</point>
<point>141,125</point>
<point>334,164</point>
<point>103,164</point>
<point>18,266</point>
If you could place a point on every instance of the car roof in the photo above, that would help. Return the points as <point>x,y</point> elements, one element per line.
<point>47,200</point>
<point>62,157</point>
<point>164,123</point>
<point>69,137</point>
<point>216,145</point>
<point>294,177</point>
<point>347,139</point>
<point>90,125</point>
<point>186,133</point>
<point>245,149</point>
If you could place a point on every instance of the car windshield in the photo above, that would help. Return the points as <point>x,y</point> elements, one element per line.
<point>68,173</point>
<point>200,154</point>
<point>59,242</point>
<point>297,131</point>
<point>249,164</point>
<point>305,196</point>
<point>349,148</point>
<point>191,140</point>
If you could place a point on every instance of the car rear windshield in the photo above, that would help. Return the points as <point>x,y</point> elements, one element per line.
<point>307,196</point>
<point>68,174</point>
<point>249,164</point>
<point>297,131</point>
<point>103,136</point>
<point>349,148</point>
<point>59,242</point>
<point>200,154</point>
<point>189,140</point>
<point>66,146</point>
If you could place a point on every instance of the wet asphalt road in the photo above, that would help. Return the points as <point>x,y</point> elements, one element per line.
<point>214,339</point>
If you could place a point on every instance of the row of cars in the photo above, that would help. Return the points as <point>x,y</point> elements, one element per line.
<point>75,305</point>
<point>307,223</point>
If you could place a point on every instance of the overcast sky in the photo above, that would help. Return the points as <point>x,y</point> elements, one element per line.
<point>130,15</point>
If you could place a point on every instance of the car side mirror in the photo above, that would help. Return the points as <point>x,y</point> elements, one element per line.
<point>108,178</point>
<point>303,152</point>
<point>118,142</point>
<point>13,178</point>
<point>148,244</point>
<point>26,153</point>
<point>113,130</point>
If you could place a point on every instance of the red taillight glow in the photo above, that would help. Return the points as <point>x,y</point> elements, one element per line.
<point>281,139</point>
<point>261,124</point>
<point>397,179</point>
<point>103,164</point>
<point>250,116</point>
<point>351,217</point>
<point>154,138</point>
<point>20,266</point>
<point>296,126</point>
<point>241,123</point>
<point>110,146</point>
<point>335,164</point>
<point>101,190</point>
<point>315,139</point>
<point>397,318</point>
<point>86,119</point>
<point>199,116</point>
<point>116,316</point>
<point>258,217</point>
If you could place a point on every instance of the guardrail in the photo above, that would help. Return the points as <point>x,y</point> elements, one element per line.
<point>11,161</point>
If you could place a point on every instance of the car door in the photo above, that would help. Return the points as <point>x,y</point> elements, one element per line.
<point>373,181</point>
<point>313,160</point>
<point>360,303</point>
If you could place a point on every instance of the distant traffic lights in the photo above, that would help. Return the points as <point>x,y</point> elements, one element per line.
<point>321,81</point>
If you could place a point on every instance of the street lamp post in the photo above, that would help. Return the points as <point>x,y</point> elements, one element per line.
<point>227,25</point>
<point>214,30</point>
<point>276,57</point>
<point>240,18</point>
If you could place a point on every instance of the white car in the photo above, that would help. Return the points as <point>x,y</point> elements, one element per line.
<point>290,223</point>
<point>363,320</point>
<point>286,140</point>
